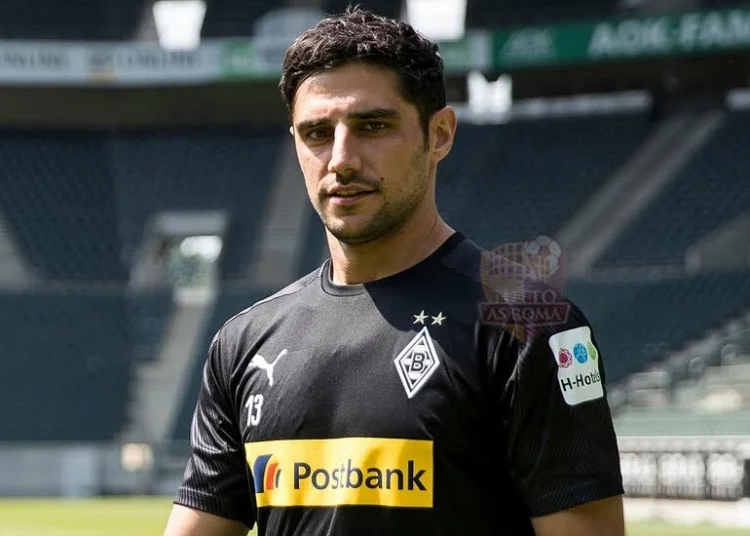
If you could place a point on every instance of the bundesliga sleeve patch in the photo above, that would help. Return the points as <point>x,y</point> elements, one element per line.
<point>578,365</point>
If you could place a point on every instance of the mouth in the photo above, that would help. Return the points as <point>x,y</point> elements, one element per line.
<point>348,198</point>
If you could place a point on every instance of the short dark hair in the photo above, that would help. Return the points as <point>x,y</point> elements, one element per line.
<point>358,35</point>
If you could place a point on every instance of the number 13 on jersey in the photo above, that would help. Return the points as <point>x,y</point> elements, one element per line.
<point>254,406</point>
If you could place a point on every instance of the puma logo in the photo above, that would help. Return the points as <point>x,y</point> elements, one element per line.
<point>258,361</point>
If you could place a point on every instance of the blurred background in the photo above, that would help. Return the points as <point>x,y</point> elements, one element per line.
<point>149,190</point>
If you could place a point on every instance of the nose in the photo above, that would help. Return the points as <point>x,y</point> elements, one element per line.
<point>345,160</point>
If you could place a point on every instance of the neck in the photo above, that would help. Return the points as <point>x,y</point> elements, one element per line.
<point>388,255</point>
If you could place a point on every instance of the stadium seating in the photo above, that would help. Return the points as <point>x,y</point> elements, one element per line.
<point>66,365</point>
<point>708,192</point>
<point>89,20</point>
<point>234,18</point>
<point>149,312</point>
<point>488,13</point>
<point>528,177</point>
<point>228,304</point>
<point>631,318</point>
<point>69,357</point>
<point>79,204</point>
<point>313,246</point>
<point>388,8</point>
<point>58,199</point>
<point>225,170</point>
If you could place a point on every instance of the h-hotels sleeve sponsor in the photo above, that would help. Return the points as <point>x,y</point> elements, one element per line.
<point>342,471</point>
<point>578,365</point>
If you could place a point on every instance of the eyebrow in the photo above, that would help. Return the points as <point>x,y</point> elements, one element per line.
<point>374,113</point>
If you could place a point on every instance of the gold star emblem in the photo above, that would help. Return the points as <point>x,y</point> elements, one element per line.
<point>420,318</point>
<point>438,319</point>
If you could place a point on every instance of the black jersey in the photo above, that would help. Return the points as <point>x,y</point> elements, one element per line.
<point>404,406</point>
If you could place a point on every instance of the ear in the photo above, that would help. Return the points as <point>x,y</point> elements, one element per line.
<point>442,132</point>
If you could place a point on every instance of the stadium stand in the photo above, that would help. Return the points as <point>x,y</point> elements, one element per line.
<point>631,318</point>
<point>58,198</point>
<point>234,18</point>
<point>489,14</point>
<point>229,170</point>
<point>528,177</point>
<point>314,245</point>
<point>389,8</point>
<point>88,20</point>
<point>66,365</point>
<point>79,204</point>
<point>148,311</point>
<point>705,195</point>
<point>228,304</point>
<point>714,400</point>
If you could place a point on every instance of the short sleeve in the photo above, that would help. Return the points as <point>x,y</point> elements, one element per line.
<point>216,477</point>
<point>561,444</point>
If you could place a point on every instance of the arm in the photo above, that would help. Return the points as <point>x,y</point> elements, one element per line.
<point>185,521</point>
<point>562,449</point>
<point>598,518</point>
<point>215,497</point>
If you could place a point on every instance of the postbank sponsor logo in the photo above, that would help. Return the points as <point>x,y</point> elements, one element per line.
<point>578,365</point>
<point>342,471</point>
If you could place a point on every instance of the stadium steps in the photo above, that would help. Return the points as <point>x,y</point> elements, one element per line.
<point>719,393</point>
<point>283,235</point>
<point>731,374</point>
<point>13,271</point>
<point>478,179</point>
<point>707,194</point>
<point>698,370</point>
<point>160,385</point>
<point>727,248</point>
<point>650,169</point>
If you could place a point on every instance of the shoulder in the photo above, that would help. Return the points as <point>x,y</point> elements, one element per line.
<point>542,319</point>
<point>525,311</point>
<point>558,349</point>
<point>514,288</point>
<point>259,312</point>
<point>495,274</point>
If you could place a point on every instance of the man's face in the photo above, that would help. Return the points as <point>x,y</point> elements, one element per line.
<point>362,151</point>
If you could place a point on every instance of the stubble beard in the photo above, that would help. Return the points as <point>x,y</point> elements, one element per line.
<point>393,214</point>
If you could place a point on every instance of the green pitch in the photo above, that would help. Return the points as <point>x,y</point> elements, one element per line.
<point>98,517</point>
<point>147,516</point>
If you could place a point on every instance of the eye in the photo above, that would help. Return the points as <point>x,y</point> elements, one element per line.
<point>374,126</point>
<point>317,134</point>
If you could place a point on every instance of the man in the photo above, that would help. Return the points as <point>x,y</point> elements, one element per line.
<point>369,397</point>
